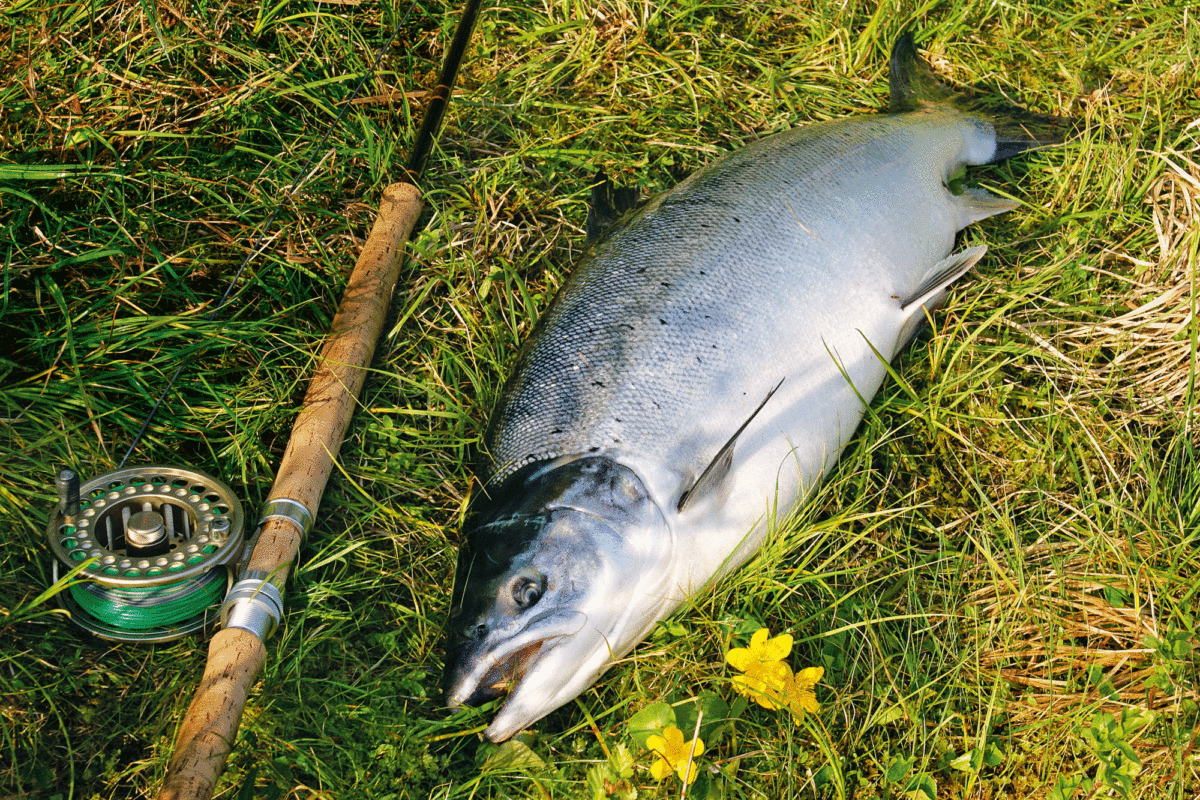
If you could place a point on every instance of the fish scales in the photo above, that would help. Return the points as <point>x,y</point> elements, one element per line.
<point>719,288</point>
<point>697,374</point>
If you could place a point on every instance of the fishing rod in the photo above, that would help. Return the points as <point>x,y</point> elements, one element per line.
<point>254,607</point>
<point>151,548</point>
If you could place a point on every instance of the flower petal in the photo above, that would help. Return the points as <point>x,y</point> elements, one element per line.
<point>777,648</point>
<point>762,693</point>
<point>807,701</point>
<point>739,658</point>
<point>810,677</point>
<point>674,740</point>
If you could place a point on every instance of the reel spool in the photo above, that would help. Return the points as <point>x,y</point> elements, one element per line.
<point>162,541</point>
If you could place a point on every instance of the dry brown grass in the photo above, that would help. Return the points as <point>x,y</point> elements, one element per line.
<point>1145,356</point>
<point>1047,631</point>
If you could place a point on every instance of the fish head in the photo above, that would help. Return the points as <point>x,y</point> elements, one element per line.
<point>557,577</point>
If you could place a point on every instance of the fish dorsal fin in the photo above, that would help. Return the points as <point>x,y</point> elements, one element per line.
<point>930,292</point>
<point>714,474</point>
<point>911,83</point>
<point>609,204</point>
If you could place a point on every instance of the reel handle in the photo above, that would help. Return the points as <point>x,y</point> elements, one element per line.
<point>236,656</point>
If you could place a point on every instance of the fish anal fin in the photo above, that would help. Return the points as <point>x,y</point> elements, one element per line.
<point>713,476</point>
<point>609,203</point>
<point>977,204</point>
<point>931,290</point>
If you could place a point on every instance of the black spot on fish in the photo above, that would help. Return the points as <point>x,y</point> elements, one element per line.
<point>662,321</point>
<point>735,219</point>
<point>664,283</point>
<point>595,449</point>
<point>598,383</point>
<point>559,430</point>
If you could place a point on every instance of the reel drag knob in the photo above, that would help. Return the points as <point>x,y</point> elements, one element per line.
<point>157,543</point>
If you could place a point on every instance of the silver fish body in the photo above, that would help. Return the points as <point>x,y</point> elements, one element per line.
<point>797,265</point>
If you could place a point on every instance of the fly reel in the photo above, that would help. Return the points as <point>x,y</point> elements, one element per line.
<point>159,544</point>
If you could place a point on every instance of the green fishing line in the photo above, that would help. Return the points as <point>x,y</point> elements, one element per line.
<point>137,609</point>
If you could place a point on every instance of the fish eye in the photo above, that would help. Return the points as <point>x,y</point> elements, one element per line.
<point>526,592</point>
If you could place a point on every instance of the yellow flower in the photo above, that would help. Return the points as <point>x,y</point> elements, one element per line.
<point>765,683</point>
<point>800,695</point>
<point>675,755</point>
<point>767,679</point>
<point>761,650</point>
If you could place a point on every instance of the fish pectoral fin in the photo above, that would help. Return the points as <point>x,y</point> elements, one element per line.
<point>941,275</point>
<point>609,203</point>
<point>713,477</point>
<point>930,292</point>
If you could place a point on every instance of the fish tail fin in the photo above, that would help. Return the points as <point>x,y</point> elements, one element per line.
<point>913,86</point>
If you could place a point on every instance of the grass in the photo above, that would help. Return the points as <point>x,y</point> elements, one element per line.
<point>998,578</point>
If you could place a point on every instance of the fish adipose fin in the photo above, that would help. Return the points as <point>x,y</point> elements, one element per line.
<point>609,204</point>
<point>714,474</point>
<point>913,86</point>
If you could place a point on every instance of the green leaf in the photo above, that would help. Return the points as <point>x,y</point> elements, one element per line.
<point>899,768</point>
<point>651,720</point>
<point>706,787</point>
<point>716,715</point>
<point>1065,787</point>
<point>514,755</point>
<point>622,761</point>
<point>597,776</point>
<point>920,787</point>
<point>963,763</point>
<point>604,783</point>
<point>978,757</point>
<point>890,715</point>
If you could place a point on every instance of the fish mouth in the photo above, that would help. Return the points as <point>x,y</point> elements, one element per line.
<point>500,676</point>
<point>495,671</point>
